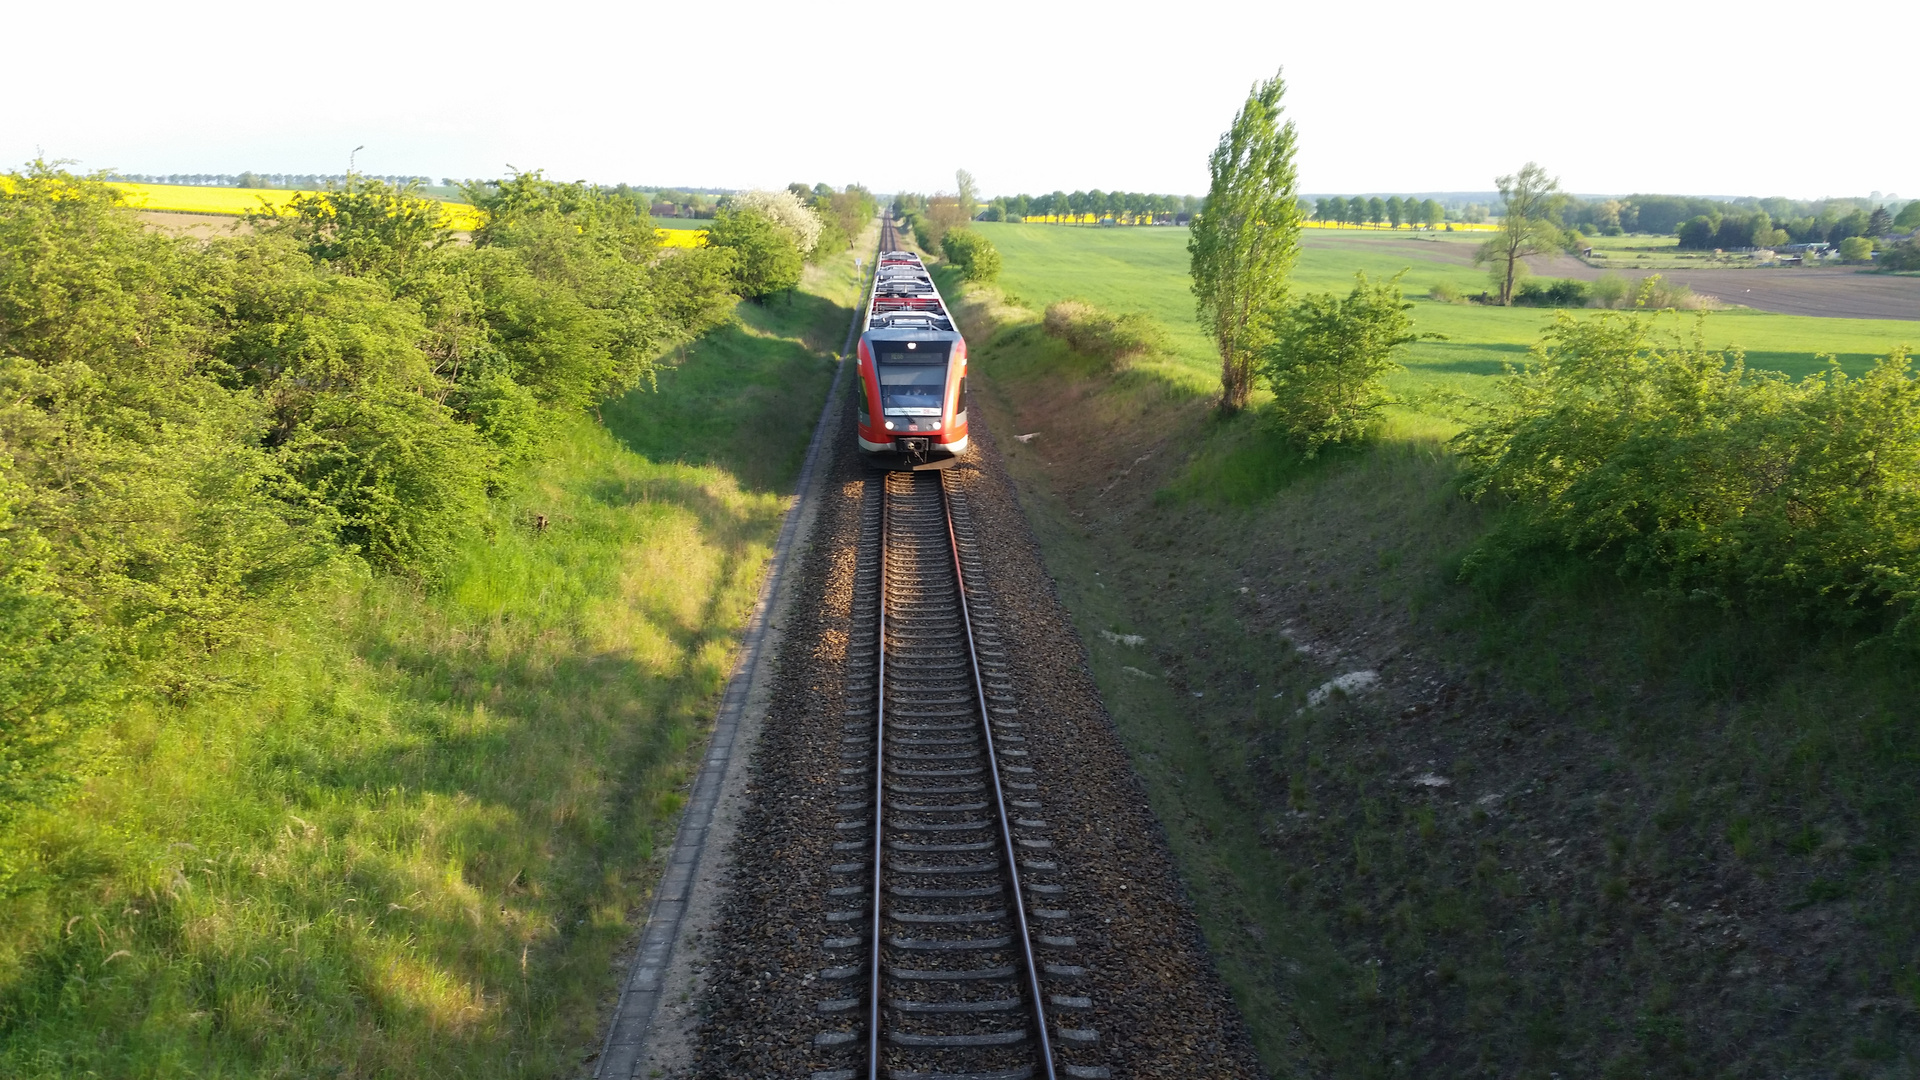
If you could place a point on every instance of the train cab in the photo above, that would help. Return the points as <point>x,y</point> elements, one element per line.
<point>913,372</point>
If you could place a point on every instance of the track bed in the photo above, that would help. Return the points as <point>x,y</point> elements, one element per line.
<point>1119,985</point>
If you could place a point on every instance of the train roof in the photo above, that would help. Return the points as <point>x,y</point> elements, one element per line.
<point>904,301</point>
<point>891,333</point>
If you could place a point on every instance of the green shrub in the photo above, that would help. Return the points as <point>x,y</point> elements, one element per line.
<point>1903,256</point>
<point>1611,290</point>
<point>1446,294</point>
<point>1656,293</point>
<point>1329,359</point>
<point>1554,292</point>
<point>1116,340</point>
<point>1681,465</point>
<point>191,432</point>
<point>765,258</point>
<point>1856,249</point>
<point>972,253</point>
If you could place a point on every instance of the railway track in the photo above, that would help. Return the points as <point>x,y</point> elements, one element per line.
<point>952,954</point>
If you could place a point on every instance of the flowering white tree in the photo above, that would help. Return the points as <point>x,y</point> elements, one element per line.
<point>784,209</point>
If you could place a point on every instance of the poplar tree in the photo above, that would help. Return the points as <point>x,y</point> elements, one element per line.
<point>1244,245</point>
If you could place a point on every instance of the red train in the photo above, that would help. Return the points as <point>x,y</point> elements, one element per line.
<point>913,371</point>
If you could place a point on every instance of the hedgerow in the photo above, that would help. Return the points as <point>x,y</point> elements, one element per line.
<point>1680,466</point>
<point>192,432</point>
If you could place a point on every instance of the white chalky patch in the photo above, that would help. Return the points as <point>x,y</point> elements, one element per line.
<point>1353,682</point>
<point>1123,639</point>
<point>1432,780</point>
<point>1136,672</point>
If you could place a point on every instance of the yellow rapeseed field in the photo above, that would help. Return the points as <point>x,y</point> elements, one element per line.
<point>190,199</point>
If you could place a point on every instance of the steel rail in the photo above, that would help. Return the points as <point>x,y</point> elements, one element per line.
<point>879,801</point>
<point>1008,849</point>
<point>999,796</point>
<point>879,752</point>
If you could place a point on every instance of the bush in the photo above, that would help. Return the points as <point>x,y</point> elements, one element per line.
<point>972,253</point>
<point>1656,293</point>
<point>1856,249</point>
<point>765,258</point>
<point>1090,331</point>
<point>1554,292</point>
<point>1611,290</point>
<point>785,209</point>
<point>1446,294</point>
<point>1330,358</point>
<point>1903,256</point>
<point>191,432</point>
<point>1681,465</point>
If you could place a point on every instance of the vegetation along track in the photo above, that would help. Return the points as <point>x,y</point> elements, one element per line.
<point>963,957</point>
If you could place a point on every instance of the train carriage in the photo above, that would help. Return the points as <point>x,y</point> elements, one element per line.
<point>913,371</point>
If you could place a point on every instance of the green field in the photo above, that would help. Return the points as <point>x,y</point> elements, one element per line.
<point>1592,831</point>
<point>408,836</point>
<point>1144,269</point>
<point>681,223</point>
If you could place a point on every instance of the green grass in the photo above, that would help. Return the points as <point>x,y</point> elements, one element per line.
<point>1145,269</point>
<point>409,838</point>
<point>1674,841</point>
<point>681,223</point>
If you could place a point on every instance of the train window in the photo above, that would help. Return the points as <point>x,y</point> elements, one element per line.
<point>916,390</point>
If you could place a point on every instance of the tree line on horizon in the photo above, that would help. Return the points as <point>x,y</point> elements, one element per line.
<point>1392,210</point>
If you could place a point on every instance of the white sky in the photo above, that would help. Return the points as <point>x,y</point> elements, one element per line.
<point>1683,97</point>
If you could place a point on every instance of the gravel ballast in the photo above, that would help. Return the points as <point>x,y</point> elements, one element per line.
<point>1159,1007</point>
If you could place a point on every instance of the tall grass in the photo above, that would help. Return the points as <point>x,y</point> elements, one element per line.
<point>407,838</point>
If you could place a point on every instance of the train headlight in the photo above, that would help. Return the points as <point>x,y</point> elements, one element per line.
<point>889,425</point>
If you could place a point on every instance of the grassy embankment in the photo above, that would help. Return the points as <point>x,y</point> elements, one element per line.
<point>1578,831</point>
<point>408,839</point>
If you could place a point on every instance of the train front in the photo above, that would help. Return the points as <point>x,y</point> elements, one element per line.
<point>913,398</point>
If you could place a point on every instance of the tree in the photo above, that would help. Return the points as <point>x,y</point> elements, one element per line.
<point>1329,360</point>
<point>1396,211</point>
<point>787,210</point>
<point>1909,216</point>
<point>1322,209</point>
<point>971,252</point>
<point>1526,228</point>
<point>1245,243</point>
<point>1376,211</point>
<point>1431,213</point>
<point>1356,210</point>
<point>1880,222</point>
<point>967,192</point>
<point>1698,234</point>
<point>766,259</point>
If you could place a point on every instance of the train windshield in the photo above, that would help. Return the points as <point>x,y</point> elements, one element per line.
<point>913,377</point>
<point>913,390</point>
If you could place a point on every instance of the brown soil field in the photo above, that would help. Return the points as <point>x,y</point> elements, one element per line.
<point>202,226</point>
<point>1835,292</point>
